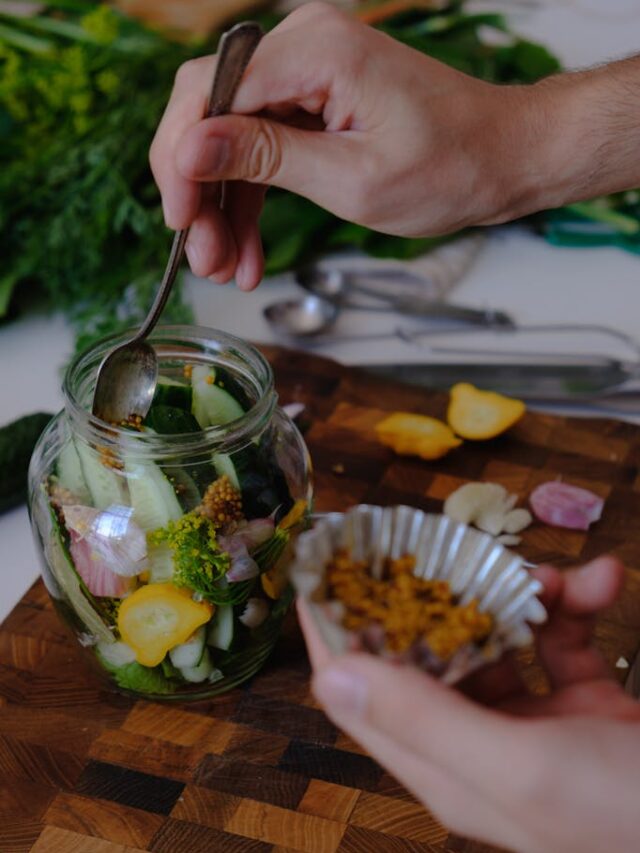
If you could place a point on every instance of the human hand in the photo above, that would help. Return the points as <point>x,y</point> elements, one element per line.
<point>532,773</point>
<point>338,112</point>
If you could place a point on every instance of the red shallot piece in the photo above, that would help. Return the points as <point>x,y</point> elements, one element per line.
<point>563,505</point>
<point>100,579</point>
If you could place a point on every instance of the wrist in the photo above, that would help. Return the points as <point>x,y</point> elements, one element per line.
<point>537,158</point>
<point>566,139</point>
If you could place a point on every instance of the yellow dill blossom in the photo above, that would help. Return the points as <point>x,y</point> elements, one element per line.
<point>101,23</point>
<point>198,561</point>
<point>80,102</point>
<point>108,82</point>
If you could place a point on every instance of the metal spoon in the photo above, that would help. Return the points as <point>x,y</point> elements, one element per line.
<point>398,289</point>
<point>127,377</point>
<point>313,315</point>
<point>301,318</point>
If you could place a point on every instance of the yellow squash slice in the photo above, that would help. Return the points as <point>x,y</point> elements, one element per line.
<point>416,435</point>
<point>479,415</point>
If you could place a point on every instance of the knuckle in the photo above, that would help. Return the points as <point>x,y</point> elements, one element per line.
<point>315,9</point>
<point>265,155</point>
<point>189,72</point>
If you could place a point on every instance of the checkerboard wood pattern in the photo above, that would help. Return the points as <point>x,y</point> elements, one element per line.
<point>261,770</point>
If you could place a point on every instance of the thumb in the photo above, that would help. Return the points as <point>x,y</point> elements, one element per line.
<point>263,151</point>
<point>424,716</point>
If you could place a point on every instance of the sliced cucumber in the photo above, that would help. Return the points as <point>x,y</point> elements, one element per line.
<point>115,655</point>
<point>70,475</point>
<point>172,392</point>
<point>225,379</point>
<point>105,485</point>
<point>202,373</point>
<point>170,420</point>
<point>223,465</point>
<point>201,672</point>
<point>159,563</point>
<point>189,654</point>
<point>212,405</point>
<point>153,498</point>
<point>185,487</point>
<point>221,631</point>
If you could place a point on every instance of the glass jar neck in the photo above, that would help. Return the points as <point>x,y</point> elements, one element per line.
<point>176,347</point>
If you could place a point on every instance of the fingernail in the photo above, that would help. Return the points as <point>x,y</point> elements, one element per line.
<point>341,692</point>
<point>167,213</point>
<point>215,156</point>
<point>193,255</point>
<point>241,280</point>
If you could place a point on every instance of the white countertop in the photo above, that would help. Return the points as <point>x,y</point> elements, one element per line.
<point>516,271</point>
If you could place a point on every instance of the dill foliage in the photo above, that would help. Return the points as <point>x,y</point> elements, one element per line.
<point>82,89</point>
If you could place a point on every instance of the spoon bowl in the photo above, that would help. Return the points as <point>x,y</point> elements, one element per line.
<point>301,318</point>
<point>126,383</point>
<point>332,284</point>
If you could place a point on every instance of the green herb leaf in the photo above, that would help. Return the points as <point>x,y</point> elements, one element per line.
<point>143,679</point>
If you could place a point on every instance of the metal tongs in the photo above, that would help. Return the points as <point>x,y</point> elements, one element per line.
<point>532,375</point>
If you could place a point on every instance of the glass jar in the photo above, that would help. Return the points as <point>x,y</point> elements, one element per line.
<point>165,544</point>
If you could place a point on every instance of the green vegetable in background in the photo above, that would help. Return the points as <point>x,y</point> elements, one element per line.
<point>610,221</point>
<point>80,221</point>
<point>17,441</point>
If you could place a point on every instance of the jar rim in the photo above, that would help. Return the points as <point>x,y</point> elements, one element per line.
<point>193,345</point>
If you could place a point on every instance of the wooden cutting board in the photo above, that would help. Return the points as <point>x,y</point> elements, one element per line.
<point>261,769</point>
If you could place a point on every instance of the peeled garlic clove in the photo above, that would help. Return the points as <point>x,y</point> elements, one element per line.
<point>508,539</point>
<point>473,499</point>
<point>517,520</point>
<point>491,521</point>
<point>563,505</point>
<point>509,503</point>
<point>255,612</point>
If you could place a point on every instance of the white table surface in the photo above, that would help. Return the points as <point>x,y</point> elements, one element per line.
<point>516,271</point>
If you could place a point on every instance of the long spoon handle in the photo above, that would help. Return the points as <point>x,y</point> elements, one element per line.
<point>236,49</point>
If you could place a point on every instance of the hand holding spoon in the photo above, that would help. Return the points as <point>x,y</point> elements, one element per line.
<point>128,375</point>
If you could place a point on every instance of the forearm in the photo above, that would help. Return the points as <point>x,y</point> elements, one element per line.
<point>569,138</point>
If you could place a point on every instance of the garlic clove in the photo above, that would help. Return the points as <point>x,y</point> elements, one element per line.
<point>255,612</point>
<point>469,501</point>
<point>508,539</point>
<point>491,521</point>
<point>517,520</point>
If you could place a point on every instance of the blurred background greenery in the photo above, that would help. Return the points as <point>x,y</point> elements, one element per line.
<point>82,87</point>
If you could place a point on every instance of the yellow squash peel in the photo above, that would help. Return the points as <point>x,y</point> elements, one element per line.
<point>157,617</point>
<point>416,435</point>
<point>479,415</point>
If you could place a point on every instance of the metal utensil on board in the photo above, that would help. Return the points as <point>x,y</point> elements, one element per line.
<point>392,289</point>
<point>533,375</point>
<point>311,316</point>
<point>301,318</point>
<point>128,375</point>
<point>580,378</point>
